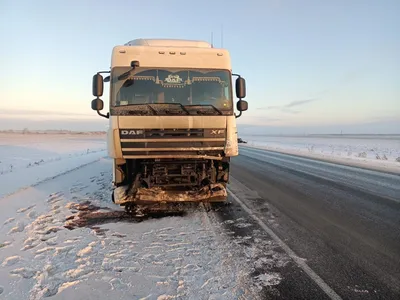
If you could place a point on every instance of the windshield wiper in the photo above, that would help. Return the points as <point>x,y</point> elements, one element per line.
<point>152,109</point>
<point>216,109</point>
<point>156,108</point>
<point>203,106</point>
<point>139,112</point>
<point>177,104</point>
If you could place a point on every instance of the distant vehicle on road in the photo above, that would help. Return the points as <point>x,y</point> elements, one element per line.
<point>240,140</point>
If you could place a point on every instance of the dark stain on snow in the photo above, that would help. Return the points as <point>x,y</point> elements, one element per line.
<point>88,215</point>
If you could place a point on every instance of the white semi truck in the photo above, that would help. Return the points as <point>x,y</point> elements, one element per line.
<point>172,126</point>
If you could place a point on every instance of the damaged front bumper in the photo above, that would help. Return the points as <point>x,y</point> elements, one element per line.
<point>210,193</point>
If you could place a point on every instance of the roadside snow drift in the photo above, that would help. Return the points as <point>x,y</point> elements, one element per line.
<point>372,151</point>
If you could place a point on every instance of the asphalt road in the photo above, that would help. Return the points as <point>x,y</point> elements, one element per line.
<point>343,221</point>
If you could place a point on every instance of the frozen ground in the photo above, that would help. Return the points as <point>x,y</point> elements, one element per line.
<point>21,151</point>
<point>31,158</point>
<point>61,237</point>
<point>376,152</point>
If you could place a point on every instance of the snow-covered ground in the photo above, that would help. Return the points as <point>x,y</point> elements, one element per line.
<point>377,152</point>
<point>27,159</point>
<point>62,237</point>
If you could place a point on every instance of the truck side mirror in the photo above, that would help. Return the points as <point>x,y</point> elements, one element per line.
<point>97,104</point>
<point>97,85</point>
<point>240,87</point>
<point>242,105</point>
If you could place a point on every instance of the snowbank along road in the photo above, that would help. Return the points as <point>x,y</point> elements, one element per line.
<point>379,152</point>
<point>294,230</point>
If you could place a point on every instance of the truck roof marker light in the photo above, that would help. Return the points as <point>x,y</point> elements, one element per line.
<point>183,53</point>
<point>122,51</point>
<point>220,54</point>
<point>161,52</point>
<point>172,52</point>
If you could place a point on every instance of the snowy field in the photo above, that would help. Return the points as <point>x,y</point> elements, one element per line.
<point>61,237</point>
<point>377,152</point>
<point>21,151</point>
<point>31,158</point>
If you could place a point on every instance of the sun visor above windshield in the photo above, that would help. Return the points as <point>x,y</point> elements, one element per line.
<point>166,57</point>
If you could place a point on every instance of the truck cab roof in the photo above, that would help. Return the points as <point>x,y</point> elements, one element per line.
<point>171,53</point>
<point>169,43</point>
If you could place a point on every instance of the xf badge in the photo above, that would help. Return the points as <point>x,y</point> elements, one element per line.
<point>216,131</point>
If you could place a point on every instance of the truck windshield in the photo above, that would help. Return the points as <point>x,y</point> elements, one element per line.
<point>197,87</point>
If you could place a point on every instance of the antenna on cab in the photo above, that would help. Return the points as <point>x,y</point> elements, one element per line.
<point>222,35</point>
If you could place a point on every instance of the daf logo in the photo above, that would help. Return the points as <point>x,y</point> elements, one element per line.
<point>131,132</point>
<point>216,131</point>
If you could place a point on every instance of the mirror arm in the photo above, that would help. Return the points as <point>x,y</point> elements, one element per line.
<point>238,116</point>
<point>104,72</point>
<point>240,112</point>
<point>107,116</point>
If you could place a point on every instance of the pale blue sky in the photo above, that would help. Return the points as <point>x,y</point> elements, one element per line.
<point>307,63</point>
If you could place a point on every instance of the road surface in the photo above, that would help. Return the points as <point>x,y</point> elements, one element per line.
<point>343,221</point>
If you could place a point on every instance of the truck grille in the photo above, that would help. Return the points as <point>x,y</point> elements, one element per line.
<point>171,133</point>
<point>180,144</point>
<point>172,142</point>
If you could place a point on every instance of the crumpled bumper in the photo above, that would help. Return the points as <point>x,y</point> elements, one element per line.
<point>210,193</point>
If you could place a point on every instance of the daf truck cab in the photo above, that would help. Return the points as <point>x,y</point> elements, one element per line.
<point>172,123</point>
